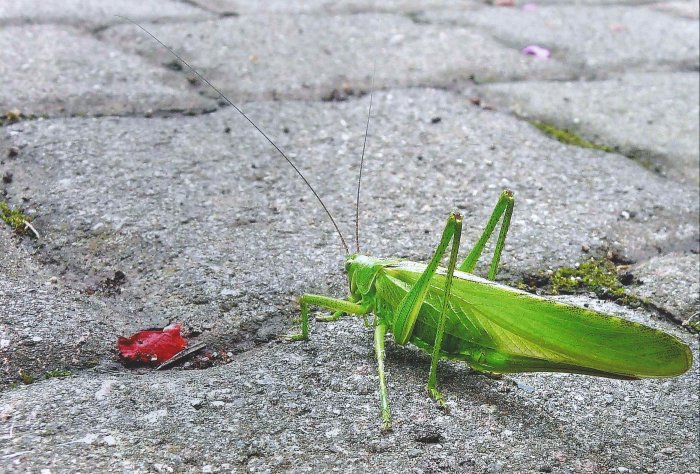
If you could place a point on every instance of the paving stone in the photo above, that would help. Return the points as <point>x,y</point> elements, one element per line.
<point>651,117</point>
<point>57,70</point>
<point>212,229</point>
<point>685,9</point>
<point>297,406</point>
<point>96,13</point>
<point>323,6</point>
<point>596,2</point>
<point>44,325</point>
<point>672,282</point>
<point>598,41</point>
<point>248,57</point>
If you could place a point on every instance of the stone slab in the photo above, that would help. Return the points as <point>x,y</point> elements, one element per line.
<point>212,229</point>
<point>685,9</point>
<point>96,13</point>
<point>58,70</point>
<point>44,325</point>
<point>597,41</point>
<point>313,407</point>
<point>408,7</point>
<point>672,282</point>
<point>652,117</point>
<point>250,57</point>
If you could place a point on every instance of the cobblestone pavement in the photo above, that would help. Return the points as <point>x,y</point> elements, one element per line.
<point>155,202</point>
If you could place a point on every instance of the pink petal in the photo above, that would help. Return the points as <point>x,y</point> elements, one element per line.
<point>537,51</point>
<point>528,7</point>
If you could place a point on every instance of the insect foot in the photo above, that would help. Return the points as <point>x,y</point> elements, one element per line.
<point>386,426</point>
<point>294,337</point>
<point>304,334</point>
<point>438,397</point>
<point>333,317</point>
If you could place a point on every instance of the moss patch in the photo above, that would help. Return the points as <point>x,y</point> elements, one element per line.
<point>57,373</point>
<point>14,116</point>
<point>599,276</point>
<point>26,377</point>
<point>14,218</point>
<point>693,326</point>
<point>568,137</point>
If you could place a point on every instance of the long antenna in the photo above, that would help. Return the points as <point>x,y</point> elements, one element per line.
<point>221,94</point>
<point>362,162</point>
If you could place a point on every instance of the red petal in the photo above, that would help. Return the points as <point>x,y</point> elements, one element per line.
<point>152,346</point>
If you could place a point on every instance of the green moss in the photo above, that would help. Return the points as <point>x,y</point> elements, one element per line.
<point>14,218</point>
<point>597,276</point>
<point>26,377</point>
<point>14,116</point>
<point>569,137</point>
<point>57,373</point>
<point>694,326</point>
<point>90,363</point>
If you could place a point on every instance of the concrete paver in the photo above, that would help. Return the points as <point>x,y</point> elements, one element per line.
<point>248,57</point>
<point>597,40</point>
<point>641,115</point>
<point>58,70</point>
<point>94,14</point>
<point>211,229</point>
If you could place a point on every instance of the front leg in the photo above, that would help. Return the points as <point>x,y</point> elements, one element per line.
<point>334,304</point>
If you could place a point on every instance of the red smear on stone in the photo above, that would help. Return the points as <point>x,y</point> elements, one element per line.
<point>152,346</point>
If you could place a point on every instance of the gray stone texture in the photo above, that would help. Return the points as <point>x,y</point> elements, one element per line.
<point>597,40</point>
<point>153,177</point>
<point>685,9</point>
<point>641,115</point>
<point>332,55</point>
<point>671,283</point>
<point>46,325</point>
<point>312,407</point>
<point>59,70</point>
<point>96,14</point>
<point>325,7</point>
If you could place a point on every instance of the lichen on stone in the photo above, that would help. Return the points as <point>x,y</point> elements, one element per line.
<point>568,137</point>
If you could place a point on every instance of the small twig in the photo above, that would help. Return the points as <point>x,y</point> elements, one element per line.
<point>181,355</point>
<point>14,455</point>
<point>28,225</point>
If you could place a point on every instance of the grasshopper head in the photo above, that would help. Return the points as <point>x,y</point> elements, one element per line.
<point>362,271</point>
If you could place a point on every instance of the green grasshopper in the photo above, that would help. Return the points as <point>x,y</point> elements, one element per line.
<point>495,329</point>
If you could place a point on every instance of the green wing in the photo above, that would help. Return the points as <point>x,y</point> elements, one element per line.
<point>500,329</point>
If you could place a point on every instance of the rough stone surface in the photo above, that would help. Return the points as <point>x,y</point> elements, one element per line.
<point>58,70</point>
<point>94,14</point>
<point>248,57</point>
<point>44,325</point>
<point>685,9</point>
<point>671,282</point>
<point>596,40</point>
<point>407,7</point>
<point>641,115</point>
<point>312,407</point>
<point>209,227</point>
<point>147,184</point>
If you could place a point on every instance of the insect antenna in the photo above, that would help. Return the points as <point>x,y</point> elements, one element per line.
<point>228,101</point>
<point>362,162</point>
